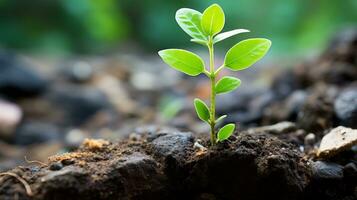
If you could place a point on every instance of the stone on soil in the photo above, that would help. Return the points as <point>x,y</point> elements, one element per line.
<point>326,170</point>
<point>337,140</point>
<point>275,129</point>
<point>346,107</point>
<point>174,145</point>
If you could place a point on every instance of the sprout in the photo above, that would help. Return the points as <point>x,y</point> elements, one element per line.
<point>205,30</point>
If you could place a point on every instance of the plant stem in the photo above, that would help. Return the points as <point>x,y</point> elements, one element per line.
<point>213,92</point>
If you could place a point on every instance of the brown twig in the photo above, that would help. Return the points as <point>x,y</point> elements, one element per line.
<point>24,183</point>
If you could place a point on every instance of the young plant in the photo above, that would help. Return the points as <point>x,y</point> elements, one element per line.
<point>205,28</point>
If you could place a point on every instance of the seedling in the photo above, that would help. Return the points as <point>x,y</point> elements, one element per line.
<point>205,28</point>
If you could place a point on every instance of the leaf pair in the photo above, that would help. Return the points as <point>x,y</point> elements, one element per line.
<point>204,114</point>
<point>200,26</point>
<point>239,57</point>
<point>203,26</point>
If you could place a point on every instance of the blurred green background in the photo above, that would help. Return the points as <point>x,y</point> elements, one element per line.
<point>64,27</point>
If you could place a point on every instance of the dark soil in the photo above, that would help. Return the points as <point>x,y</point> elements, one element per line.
<point>166,166</point>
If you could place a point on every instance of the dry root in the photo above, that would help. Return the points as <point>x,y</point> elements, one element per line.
<point>21,180</point>
<point>35,162</point>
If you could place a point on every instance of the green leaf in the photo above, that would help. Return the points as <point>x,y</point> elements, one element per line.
<point>202,110</point>
<point>225,132</point>
<point>182,60</point>
<point>219,119</point>
<point>198,41</point>
<point>213,20</point>
<point>227,84</point>
<point>246,53</point>
<point>190,21</point>
<point>225,35</point>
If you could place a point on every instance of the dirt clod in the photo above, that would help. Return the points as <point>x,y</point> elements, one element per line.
<point>92,144</point>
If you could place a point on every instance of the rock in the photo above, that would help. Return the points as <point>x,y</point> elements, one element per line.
<point>78,103</point>
<point>74,138</point>
<point>328,181</point>
<point>337,140</point>
<point>336,73</point>
<point>286,109</point>
<point>326,170</point>
<point>310,139</point>
<point>199,147</point>
<point>173,145</point>
<point>317,113</point>
<point>117,93</point>
<point>133,176</point>
<point>285,84</point>
<point>247,107</point>
<point>345,107</point>
<point>337,66</point>
<point>17,79</point>
<point>67,177</point>
<point>343,48</point>
<point>10,117</point>
<point>138,175</point>
<point>36,132</point>
<point>241,97</point>
<point>79,71</point>
<point>275,129</point>
<point>56,166</point>
<point>144,78</point>
<point>67,162</point>
<point>350,171</point>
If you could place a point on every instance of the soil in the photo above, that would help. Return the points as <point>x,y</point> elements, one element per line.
<point>166,166</point>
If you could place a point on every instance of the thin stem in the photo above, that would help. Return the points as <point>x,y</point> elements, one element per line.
<point>218,70</point>
<point>213,92</point>
<point>207,73</point>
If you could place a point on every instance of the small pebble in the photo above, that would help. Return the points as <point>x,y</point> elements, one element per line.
<point>310,139</point>
<point>134,137</point>
<point>199,146</point>
<point>67,162</point>
<point>81,71</point>
<point>56,166</point>
<point>337,140</point>
<point>350,170</point>
<point>327,170</point>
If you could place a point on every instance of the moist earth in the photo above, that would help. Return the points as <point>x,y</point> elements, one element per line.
<point>167,166</point>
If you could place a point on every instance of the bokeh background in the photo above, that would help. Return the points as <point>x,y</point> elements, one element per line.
<point>64,27</point>
<point>76,69</point>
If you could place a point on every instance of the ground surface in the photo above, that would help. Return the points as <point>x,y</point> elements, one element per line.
<point>169,165</point>
<point>282,149</point>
